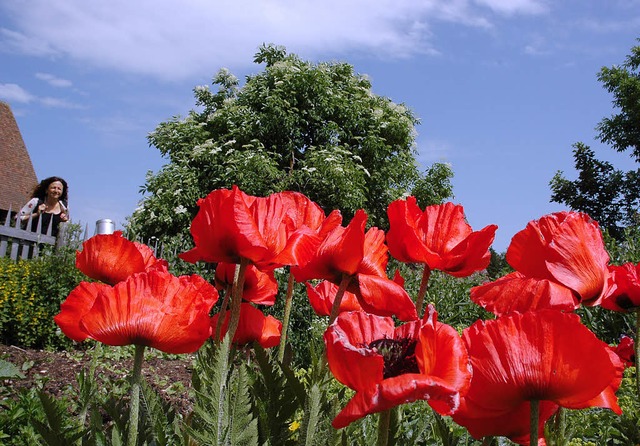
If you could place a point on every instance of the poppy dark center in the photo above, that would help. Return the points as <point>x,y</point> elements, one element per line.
<point>399,356</point>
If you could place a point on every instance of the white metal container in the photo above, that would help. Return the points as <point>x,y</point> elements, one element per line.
<point>105,226</point>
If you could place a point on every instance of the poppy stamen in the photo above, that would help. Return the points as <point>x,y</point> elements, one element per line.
<point>399,356</point>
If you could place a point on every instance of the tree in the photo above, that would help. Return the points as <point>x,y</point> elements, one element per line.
<point>622,130</point>
<point>313,128</point>
<point>608,195</point>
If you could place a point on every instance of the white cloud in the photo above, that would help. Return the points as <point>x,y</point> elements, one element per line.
<point>53,80</point>
<point>510,7</point>
<point>174,40</point>
<point>15,93</point>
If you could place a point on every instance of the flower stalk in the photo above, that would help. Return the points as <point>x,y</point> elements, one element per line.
<point>287,315</point>
<point>535,415</point>
<point>134,409</point>
<point>384,422</point>
<point>223,308</point>
<point>424,285</point>
<point>236,297</point>
<point>335,308</point>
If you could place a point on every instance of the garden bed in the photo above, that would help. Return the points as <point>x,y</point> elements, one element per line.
<point>57,372</point>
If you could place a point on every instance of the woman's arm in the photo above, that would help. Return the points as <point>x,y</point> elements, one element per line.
<point>28,209</point>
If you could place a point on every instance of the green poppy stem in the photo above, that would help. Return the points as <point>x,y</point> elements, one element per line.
<point>335,308</point>
<point>384,422</point>
<point>223,308</point>
<point>424,284</point>
<point>236,297</point>
<point>535,415</point>
<point>134,408</point>
<point>637,351</point>
<point>287,315</point>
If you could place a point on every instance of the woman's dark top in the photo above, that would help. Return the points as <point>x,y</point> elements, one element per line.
<point>46,220</point>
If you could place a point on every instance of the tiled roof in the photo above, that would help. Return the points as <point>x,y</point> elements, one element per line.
<point>17,176</point>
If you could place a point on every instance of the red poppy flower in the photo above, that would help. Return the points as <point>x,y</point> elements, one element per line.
<point>350,252</point>
<point>623,293</point>
<point>111,258</point>
<point>154,309</point>
<point>439,237</point>
<point>566,248</point>
<point>321,298</point>
<point>259,287</point>
<point>388,366</point>
<point>254,326</point>
<point>547,356</point>
<point>626,351</point>
<point>516,292</point>
<point>232,225</point>
<point>270,232</point>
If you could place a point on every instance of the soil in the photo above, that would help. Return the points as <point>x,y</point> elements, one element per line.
<point>57,373</point>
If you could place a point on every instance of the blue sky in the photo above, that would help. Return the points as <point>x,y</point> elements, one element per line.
<point>503,88</point>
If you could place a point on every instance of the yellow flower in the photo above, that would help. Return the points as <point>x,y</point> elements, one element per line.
<point>294,426</point>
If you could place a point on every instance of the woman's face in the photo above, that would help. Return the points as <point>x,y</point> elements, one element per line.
<point>55,190</point>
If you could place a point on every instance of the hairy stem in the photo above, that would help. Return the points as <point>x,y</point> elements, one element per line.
<point>223,308</point>
<point>134,409</point>
<point>335,309</point>
<point>424,284</point>
<point>236,297</point>
<point>287,315</point>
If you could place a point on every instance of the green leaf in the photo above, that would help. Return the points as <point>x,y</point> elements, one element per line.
<point>9,370</point>
<point>210,423</point>
<point>244,427</point>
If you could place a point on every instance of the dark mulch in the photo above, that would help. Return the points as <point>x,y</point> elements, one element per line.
<point>57,372</point>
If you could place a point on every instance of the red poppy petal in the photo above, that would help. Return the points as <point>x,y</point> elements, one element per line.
<point>214,242</point>
<point>607,399</point>
<point>75,306</point>
<point>543,355</point>
<point>259,287</point>
<point>321,298</point>
<point>395,391</point>
<point>444,227</point>
<point>404,238</point>
<point>578,259</point>
<point>375,257</point>
<point>253,326</point>
<point>442,355</point>
<point>514,424</point>
<point>515,292</point>
<point>528,248</point>
<point>470,255</point>
<point>347,341</point>
<point>111,258</point>
<point>154,309</point>
<point>384,297</point>
<point>340,253</point>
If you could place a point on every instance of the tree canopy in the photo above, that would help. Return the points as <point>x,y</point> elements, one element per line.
<point>607,194</point>
<point>295,125</point>
<point>622,129</point>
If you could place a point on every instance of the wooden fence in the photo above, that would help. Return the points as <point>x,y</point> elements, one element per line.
<point>18,243</point>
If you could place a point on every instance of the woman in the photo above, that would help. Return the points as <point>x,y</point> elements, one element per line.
<point>48,203</point>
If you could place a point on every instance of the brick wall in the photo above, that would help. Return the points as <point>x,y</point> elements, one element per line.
<point>17,176</point>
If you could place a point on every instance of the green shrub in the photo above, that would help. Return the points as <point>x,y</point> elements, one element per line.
<point>30,295</point>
